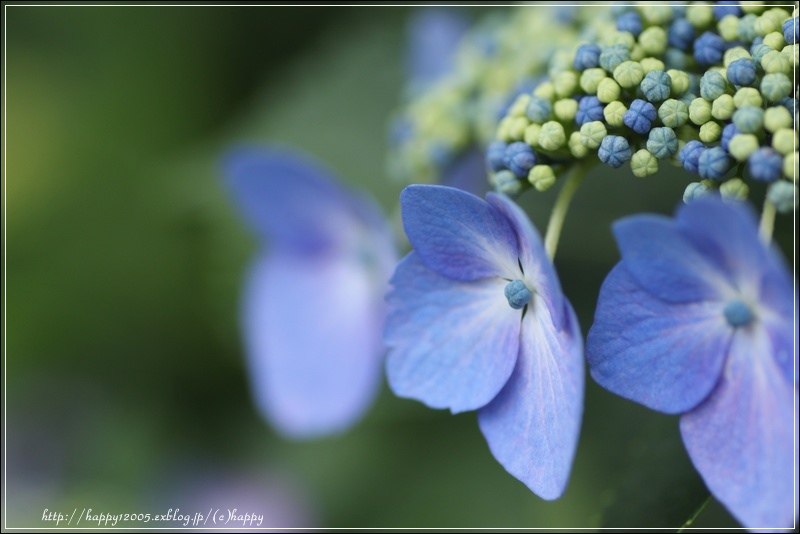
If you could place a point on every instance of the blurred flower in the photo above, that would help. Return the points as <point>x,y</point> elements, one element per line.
<point>477,321</point>
<point>313,305</point>
<point>434,34</point>
<point>697,319</point>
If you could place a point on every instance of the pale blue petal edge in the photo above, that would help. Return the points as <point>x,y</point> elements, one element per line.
<point>533,426</point>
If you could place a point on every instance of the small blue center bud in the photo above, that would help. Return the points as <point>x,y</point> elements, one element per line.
<point>737,313</point>
<point>518,294</point>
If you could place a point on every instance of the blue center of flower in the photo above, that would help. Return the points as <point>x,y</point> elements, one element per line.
<point>737,313</point>
<point>518,294</point>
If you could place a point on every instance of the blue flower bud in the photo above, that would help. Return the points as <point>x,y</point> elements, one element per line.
<point>727,134</point>
<point>742,72</point>
<point>749,119</point>
<point>675,59</point>
<point>614,151</point>
<point>496,156</point>
<point>589,109</point>
<point>726,8</point>
<point>662,142</point>
<point>713,163</point>
<point>708,49</point>
<point>681,34</point>
<point>656,86</point>
<point>539,109</point>
<point>505,182</point>
<point>712,85</point>
<point>630,22</point>
<point>519,158</point>
<point>690,155</point>
<point>612,56</point>
<point>696,190</point>
<point>746,31</point>
<point>765,164</point>
<point>586,57</point>
<point>758,51</point>
<point>737,313</point>
<point>518,294</point>
<point>640,116</point>
<point>776,86</point>
<point>790,31</point>
<point>782,194</point>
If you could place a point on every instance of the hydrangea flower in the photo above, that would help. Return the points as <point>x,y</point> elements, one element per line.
<point>478,321</point>
<point>697,319</point>
<point>313,304</point>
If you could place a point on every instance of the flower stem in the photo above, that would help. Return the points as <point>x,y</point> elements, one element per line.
<point>561,207</point>
<point>696,513</point>
<point>767,221</point>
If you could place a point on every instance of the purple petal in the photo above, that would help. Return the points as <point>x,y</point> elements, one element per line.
<point>743,440</point>
<point>457,234</point>
<point>667,356</point>
<point>539,270</point>
<point>533,426</point>
<point>289,199</point>
<point>451,344</point>
<point>665,263</point>
<point>312,332</point>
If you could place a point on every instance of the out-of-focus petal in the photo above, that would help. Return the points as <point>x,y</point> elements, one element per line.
<point>664,262</point>
<point>312,329</point>
<point>538,268</point>
<point>533,425</point>
<point>457,234</point>
<point>742,439</point>
<point>667,356</point>
<point>434,35</point>
<point>289,199</point>
<point>452,344</point>
<point>468,173</point>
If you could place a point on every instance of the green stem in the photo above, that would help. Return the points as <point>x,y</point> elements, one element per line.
<point>695,514</point>
<point>561,207</point>
<point>767,222</point>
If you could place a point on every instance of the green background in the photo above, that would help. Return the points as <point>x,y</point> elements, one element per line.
<point>125,385</point>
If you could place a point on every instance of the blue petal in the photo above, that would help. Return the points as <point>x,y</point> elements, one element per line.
<point>667,356</point>
<point>468,173</point>
<point>727,234</point>
<point>665,263</point>
<point>288,199</point>
<point>743,440</point>
<point>312,331</point>
<point>533,426</point>
<point>452,344</point>
<point>434,35</point>
<point>538,268</point>
<point>457,234</point>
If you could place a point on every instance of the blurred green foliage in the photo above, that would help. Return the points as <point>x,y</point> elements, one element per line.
<point>125,383</point>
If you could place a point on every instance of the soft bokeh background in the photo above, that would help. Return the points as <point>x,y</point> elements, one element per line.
<point>125,385</point>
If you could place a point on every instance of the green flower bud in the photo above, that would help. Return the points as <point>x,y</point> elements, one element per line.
<point>531,135</point>
<point>776,86</point>
<point>614,112</point>
<point>734,189</point>
<point>742,145</point>
<point>775,40</point>
<point>700,15</point>
<point>608,91</point>
<point>565,109</point>
<point>790,162</point>
<point>732,54</point>
<point>680,81</point>
<point>542,177</point>
<point>575,147</point>
<point>747,96</point>
<point>565,83</point>
<point>592,134</point>
<point>700,111</point>
<point>673,113</point>
<point>782,195</point>
<point>516,128</point>
<point>552,136</point>
<point>590,79</point>
<point>650,64</point>
<point>710,132</point>
<point>545,90</point>
<point>653,40</point>
<point>644,164</point>
<point>728,27</point>
<point>629,74</point>
<point>775,62</point>
<point>784,141</point>
<point>517,109</point>
<point>776,118</point>
<point>722,108</point>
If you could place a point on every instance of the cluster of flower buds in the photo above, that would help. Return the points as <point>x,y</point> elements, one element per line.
<point>460,110</point>
<point>709,88</point>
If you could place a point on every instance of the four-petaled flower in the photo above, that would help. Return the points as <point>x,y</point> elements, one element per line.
<point>697,319</point>
<point>477,321</point>
<point>313,305</point>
